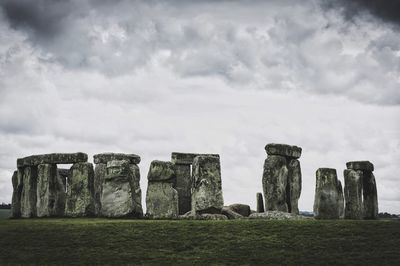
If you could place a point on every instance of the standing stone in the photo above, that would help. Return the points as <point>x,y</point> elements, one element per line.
<point>340,199</point>
<point>207,188</point>
<point>353,194</point>
<point>50,192</point>
<point>326,202</point>
<point>293,187</point>
<point>29,196</point>
<point>63,174</point>
<point>370,196</point>
<point>100,172</point>
<point>136,190</point>
<point>260,202</point>
<point>161,197</point>
<point>80,191</point>
<point>183,186</point>
<point>275,178</point>
<point>16,196</point>
<point>117,194</point>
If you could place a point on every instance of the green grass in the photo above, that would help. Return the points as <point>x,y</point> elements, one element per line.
<point>4,213</point>
<point>251,242</point>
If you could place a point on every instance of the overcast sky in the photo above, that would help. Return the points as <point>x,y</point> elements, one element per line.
<point>227,77</point>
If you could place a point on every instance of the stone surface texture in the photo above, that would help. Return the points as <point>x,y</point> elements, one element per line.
<point>28,195</point>
<point>106,157</point>
<point>370,196</point>
<point>275,178</point>
<point>283,150</point>
<point>161,200</point>
<point>52,158</point>
<point>360,165</point>
<point>16,196</point>
<point>277,215</point>
<point>161,171</point>
<point>260,202</point>
<point>293,187</point>
<point>187,158</point>
<point>241,209</point>
<point>353,194</point>
<point>183,185</point>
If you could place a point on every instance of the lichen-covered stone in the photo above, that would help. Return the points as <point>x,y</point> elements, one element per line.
<point>260,202</point>
<point>207,186</point>
<point>360,165</point>
<point>293,187</point>
<point>100,172</point>
<point>242,209</point>
<point>183,185</point>
<point>228,212</point>
<point>52,158</point>
<point>283,150</point>
<point>187,158</point>
<point>28,195</point>
<point>340,199</point>
<point>117,194</point>
<point>212,216</point>
<point>161,171</point>
<point>50,192</point>
<point>277,215</point>
<point>16,196</point>
<point>80,191</point>
<point>136,190</point>
<point>370,196</point>
<point>353,194</point>
<point>109,156</point>
<point>161,200</point>
<point>326,201</point>
<point>275,179</point>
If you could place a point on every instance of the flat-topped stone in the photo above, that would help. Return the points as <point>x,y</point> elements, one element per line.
<point>109,156</point>
<point>360,165</point>
<point>187,158</point>
<point>161,171</point>
<point>52,158</point>
<point>283,150</point>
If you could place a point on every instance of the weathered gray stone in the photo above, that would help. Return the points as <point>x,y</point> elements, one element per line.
<point>187,158</point>
<point>353,194</point>
<point>136,190</point>
<point>275,179</point>
<point>109,156</point>
<point>228,212</point>
<point>260,202</point>
<point>50,192</point>
<point>283,150</point>
<point>80,191</point>
<point>16,196</point>
<point>52,158</point>
<point>161,171</point>
<point>28,195</point>
<point>241,209</point>
<point>213,216</point>
<point>63,174</point>
<point>100,172</point>
<point>277,215</point>
<point>161,200</point>
<point>207,187</point>
<point>326,201</point>
<point>117,194</point>
<point>370,196</point>
<point>183,185</point>
<point>293,186</point>
<point>360,165</point>
<point>340,199</point>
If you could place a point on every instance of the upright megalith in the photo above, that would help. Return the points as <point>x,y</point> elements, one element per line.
<point>28,195</point>
<point>260,202</point>
<point>100,170</point>
<point>353,194</point>
<point>282,178</point>
<point>16,196</point>
<point>340,199</point>
<point>161,197</point>
<point>117,198</point>
<point>50,192</point>
<point>207,186</point>
<point>183,164</point>
<point>327,201</point>
<point>364,170</point>
<point>80,191</point>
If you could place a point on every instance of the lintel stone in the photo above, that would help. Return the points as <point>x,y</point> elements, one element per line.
<point>52,158</point>
<point>283,150</point>
<point>187,158</point>
<point>360,165</point>
<point>106,157</point>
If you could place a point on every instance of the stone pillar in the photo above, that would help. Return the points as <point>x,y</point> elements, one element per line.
<point>63,175</point>
<point>340,199</point>
<point>326,201</point>
<point>207,186</point>
<point>137,191</point>
<point>183,185</point>
<point>260,202</point>
<point>370,195</point>
<point>161,197</point>
<point>16,196</point>
<point>80,191</point>
<point>100,172</point>
<point>282,178</point>
<point>117,193</point>
<point>28,195</point>
<point>353,194</point>
<point>50,192</point>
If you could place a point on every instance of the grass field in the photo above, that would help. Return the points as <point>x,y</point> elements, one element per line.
<point>4,214</point>
<point>102,241</point>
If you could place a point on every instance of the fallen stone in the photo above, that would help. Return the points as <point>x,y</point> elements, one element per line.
<point>161,200</point>
<point>277,215</point>
<point>275,179</point>
<point>353,194</point>
<point>50,192</point>
<point>16,196</point>
<point>187,158</point>
<point>241,209</point>
<point>161,171</point>
<point>283,150</point>
<point>260,202</point>
<point>106,157</point>
<point>293,187</point>
<point>52,158</point>
<point>28,195</point>
<point>228,212</point>
<point>80,191</point>
<point>207,187</point>
<point>326,201</point>
<point>360,165</point>
<point>183,185</point>
<point>370,196</point>
<point>210,216</point>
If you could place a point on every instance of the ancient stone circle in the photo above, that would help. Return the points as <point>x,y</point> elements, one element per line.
<point>187,187</point>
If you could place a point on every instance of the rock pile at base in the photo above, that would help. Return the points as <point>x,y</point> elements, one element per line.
<point>282,178</point>
<point>277,215</point>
